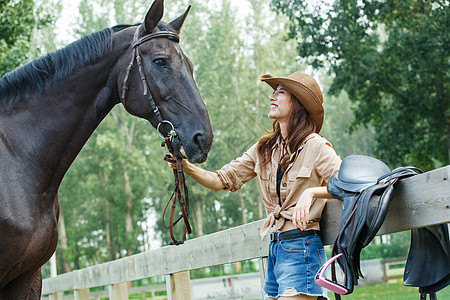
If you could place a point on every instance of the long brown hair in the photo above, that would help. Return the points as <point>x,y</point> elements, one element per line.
<point>300,125</point>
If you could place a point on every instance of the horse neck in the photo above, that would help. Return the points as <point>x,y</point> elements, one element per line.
<point>48,130</point>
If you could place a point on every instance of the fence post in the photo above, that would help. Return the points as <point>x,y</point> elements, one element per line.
<point>82,294</point>
<point>178,286</point>
<point>262,272</point>
<point>384,267</point>
<point>56,296</point>
<point>118,291</point>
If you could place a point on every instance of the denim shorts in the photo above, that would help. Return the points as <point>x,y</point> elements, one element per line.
<point>292,265</point>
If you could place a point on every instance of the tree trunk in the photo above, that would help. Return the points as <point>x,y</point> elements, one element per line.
<point>242,201</point>
<point>128,216</point>
<point>260,206</point>
<point>109,246</point>
<point>63,241</point>
<point>198,218</point>
<point>106,214</point>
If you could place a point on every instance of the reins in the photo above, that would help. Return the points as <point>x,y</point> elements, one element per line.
<point>177,194</point>
<point>180,192</point>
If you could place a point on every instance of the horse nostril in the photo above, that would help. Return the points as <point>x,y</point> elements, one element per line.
<point>199,139</point>
<point>200,145</point>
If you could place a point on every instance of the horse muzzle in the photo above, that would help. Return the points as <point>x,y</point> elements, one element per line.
<point>196,147</point>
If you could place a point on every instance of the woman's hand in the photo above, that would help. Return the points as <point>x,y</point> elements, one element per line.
<point>300,217</point>
<point>172,161</point>
<point>206,178</point>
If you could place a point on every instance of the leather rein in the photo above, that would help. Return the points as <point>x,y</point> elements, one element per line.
<point>180,192</point>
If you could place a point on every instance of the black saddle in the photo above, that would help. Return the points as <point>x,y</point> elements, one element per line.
<point>366,185</point>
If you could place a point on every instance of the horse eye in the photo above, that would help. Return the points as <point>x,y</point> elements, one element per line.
<point>160,62</point>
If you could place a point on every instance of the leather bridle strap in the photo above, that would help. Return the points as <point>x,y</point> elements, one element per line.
<point>177,194</point>
<point>160,34</point>
<point>180,184</point>
<point>137,56</point>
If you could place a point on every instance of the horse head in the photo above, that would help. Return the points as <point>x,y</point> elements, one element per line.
<point>159,85</point>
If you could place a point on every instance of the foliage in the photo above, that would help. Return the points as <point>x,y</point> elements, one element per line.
<point>18,20</point>
<point>393,245</point>
<point>392,59</point>
<point>338,117</point>
<point>113,195</point>
<point>396,246</point>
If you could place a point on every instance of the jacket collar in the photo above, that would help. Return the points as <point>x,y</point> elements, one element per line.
<point>302,145</point>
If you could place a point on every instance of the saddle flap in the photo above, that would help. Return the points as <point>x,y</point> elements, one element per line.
<point>428,264</point>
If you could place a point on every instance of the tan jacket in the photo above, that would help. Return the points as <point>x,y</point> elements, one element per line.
<point>312,167</point>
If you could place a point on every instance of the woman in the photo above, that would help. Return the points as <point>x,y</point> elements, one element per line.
<point>292,164</point>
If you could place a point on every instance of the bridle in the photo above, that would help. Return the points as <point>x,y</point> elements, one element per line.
<point>137,56</point>
<point>180,184</point>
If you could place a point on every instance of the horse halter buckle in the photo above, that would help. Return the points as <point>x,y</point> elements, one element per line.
<point>171,134</point>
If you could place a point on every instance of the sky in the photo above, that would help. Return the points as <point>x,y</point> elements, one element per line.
<point>68,19</point>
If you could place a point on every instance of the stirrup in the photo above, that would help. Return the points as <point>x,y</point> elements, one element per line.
<point>326,283</point>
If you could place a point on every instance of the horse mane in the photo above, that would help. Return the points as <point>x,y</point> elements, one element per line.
<point>48,69</point>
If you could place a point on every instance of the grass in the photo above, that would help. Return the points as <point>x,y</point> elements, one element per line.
<point>394,290</point>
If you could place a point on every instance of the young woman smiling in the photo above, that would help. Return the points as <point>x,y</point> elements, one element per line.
<point>292,164</point>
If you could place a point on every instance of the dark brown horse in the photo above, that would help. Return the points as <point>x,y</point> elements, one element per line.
<point>49,108</point>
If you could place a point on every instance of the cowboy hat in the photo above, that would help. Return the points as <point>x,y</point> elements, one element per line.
<point>305,89</point>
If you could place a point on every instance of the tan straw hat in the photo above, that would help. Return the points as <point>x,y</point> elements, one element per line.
<point>305,89</point>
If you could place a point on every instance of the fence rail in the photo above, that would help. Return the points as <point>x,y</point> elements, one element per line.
<point>418,201</point>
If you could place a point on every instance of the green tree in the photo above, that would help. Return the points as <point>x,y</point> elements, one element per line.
<point>392,59</point>
<point>18,20</point>
<point>107,192</point>
<point>338,116</point>
<point>119,178</point>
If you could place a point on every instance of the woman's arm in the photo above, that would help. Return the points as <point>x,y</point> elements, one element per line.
<point>206,178</point>
<point>300,217</point>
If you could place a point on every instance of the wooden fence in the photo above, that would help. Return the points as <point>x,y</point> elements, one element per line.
<point>418,201</point>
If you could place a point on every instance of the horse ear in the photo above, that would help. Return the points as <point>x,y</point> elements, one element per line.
<point>154,15</point>
<point>178,22</point>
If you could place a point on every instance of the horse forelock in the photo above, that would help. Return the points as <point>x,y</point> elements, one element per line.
<point>48,69</point>
<point>163,26</point>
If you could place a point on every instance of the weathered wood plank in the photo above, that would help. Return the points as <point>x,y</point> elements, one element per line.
<point>179,286</point>
<point>56,296</point>
<point>63,282</point>
<point>418,201</point>
<point>82,294</point>
<point>118,291</point>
